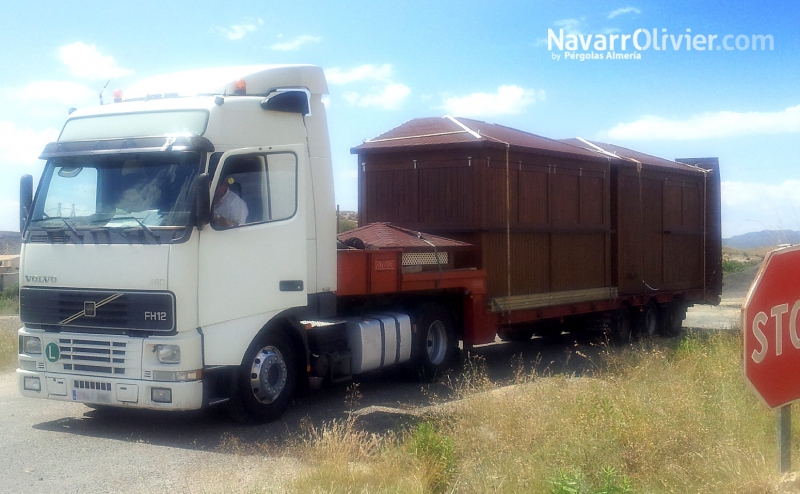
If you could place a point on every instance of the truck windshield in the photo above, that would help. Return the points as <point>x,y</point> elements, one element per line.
<point>147,191</point>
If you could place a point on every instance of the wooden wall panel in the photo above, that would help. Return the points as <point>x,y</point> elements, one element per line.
<point>445,194</point>
<point>565,199</point>
<point>683,262</point>
<point>495,196</point>
<point>578,261</point>
<point>391,195</point>
<point>629,233</point>
<point>533,197</point>
<point>652,242</point>
<point>592,201</point>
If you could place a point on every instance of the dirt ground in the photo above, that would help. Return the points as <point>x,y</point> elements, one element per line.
<point>53,446</point>
<point>726,314</point>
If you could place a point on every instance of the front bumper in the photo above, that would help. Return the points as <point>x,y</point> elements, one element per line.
<point>111,391</point>
<point>112,370</point>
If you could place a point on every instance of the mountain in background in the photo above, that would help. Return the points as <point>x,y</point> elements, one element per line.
<point>10,242</point>
<point>764,238</point>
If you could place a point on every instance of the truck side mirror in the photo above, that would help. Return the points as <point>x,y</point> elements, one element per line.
<point>25,200</point>
<point>202,200</point>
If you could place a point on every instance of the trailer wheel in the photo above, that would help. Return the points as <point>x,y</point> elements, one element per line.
<point>265,381</point>
<point>671,320</point>
<point>621,326</point>
<point>647,321</point>
<point>436,340</point>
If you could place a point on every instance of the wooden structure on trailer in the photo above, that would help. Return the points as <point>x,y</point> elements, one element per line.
<point>560,227</point>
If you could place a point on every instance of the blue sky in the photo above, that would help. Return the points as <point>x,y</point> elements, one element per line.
<point>389,62</point>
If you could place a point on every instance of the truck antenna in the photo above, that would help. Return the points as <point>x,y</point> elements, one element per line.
<point>102,91</point>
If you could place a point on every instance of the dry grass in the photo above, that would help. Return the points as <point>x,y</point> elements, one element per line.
<point>654,420</point>
<point>8,350</point>
<point>8,342</point>
<point>9,301</point>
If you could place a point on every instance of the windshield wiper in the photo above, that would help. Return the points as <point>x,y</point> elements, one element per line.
<point>144,227</point>
<point>71,228</point>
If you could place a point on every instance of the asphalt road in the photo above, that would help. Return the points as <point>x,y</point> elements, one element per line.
<point>49,446</point>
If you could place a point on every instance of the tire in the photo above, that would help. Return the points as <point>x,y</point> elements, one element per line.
<point>266,380</point>
<point>621,326</point>
<point>436,340</point>
<point>671,319</point>
<point>647,322</point>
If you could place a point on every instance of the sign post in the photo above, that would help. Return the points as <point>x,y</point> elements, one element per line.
<point>785,438</point>
<point>771,340</point>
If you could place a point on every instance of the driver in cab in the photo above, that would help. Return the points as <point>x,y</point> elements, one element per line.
<point>228,208</point>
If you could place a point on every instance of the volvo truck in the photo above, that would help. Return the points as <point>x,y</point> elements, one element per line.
<point>180,251</point>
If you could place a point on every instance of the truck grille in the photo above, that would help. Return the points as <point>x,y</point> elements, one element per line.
<point>84,355</point>
<point>107,310</point>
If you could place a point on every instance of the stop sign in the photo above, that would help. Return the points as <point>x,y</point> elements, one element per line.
<point>771,343</point>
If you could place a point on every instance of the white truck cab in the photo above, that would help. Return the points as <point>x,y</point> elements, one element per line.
<point>136,289</point>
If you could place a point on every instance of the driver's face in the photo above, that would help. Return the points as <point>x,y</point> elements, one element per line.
<point>222,188</point>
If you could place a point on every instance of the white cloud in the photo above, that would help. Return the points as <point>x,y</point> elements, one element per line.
<point>571,26</point>
<point>22,146</point>
<point>238,31</point>
<point>624,10</point>
<point>391,97</point>
<point>708,125</point>
<point>9,215</point>
<point>508,100</point>
<point>19,154</point>
<point>64,92</point>
<point>87,62</point>
<point>295,43</point>
<point>755,206</point>
<point>367,72</point>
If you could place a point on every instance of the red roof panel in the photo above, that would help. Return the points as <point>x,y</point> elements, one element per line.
<point>443,131</point>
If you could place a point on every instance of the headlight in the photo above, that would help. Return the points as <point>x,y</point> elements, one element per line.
<point>168,354</point>
<point>31,345</point>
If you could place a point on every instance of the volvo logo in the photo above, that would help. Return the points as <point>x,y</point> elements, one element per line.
<point>40,279</point>
<point>90,309</point>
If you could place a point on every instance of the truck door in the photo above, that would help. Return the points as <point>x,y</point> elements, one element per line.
<point>254,261</point>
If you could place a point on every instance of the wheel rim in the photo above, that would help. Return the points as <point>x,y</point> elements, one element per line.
<point>268,374</point>
<point>436,344</point>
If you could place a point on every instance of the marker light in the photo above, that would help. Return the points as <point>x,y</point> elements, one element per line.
<point>240,88</point>
<point>118,96</point>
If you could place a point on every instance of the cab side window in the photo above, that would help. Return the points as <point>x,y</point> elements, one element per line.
<point>255,188</point>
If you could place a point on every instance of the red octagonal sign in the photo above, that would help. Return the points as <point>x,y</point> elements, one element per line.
<point>771,329</point>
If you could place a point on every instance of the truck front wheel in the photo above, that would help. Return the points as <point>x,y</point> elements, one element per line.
<point>266,380</point>
<point>436,340</point>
